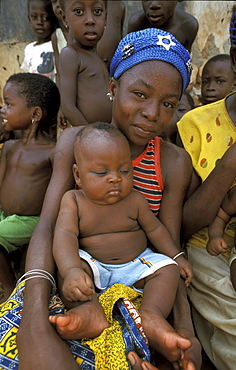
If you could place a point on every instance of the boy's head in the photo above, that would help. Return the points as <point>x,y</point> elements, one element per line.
<point>103,166</point>
<point>159,12</point>
<point>85,19</point>
<point>217,78</point>
<point>38,91</point>
<point>151,44</point>
<point>42,19</point>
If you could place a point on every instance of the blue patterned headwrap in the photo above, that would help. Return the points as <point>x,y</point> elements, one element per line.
<point>151,44</point>
<point>232,28</point>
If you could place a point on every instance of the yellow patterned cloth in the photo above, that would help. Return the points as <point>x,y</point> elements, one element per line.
<point>109,348</point>
<point>206,133</point>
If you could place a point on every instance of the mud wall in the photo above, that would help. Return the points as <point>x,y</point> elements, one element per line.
<point>212,38</point>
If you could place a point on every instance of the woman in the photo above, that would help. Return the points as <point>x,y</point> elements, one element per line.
<point>149,70</point>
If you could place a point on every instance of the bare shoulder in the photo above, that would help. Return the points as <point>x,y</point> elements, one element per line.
<point>188,21</point>
<point>118,6</point>
<point>136,21</point>
<point>175,163</point>
<point>9,145</point>
<point>64,149</point>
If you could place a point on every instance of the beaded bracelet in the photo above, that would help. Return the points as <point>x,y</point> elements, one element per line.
<point>177,255</point>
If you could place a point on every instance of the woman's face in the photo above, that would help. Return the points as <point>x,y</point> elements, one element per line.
<point>145,98</point>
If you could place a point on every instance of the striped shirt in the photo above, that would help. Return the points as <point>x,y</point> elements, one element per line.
<point>147,178</point>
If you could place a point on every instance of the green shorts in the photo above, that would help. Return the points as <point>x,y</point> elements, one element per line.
<point>16,230</point>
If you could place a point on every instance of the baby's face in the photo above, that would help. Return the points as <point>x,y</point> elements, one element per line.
<point>104,170</point>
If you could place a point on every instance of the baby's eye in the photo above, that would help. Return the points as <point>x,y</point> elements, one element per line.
<point>79,11</point>
<point>33,17</point>
<point>124,172</point>
<point>98,11</point>
<point>204,82</point>
<point>101,173</point>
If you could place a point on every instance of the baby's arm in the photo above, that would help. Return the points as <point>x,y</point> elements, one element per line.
<point>69,64</point>
<point>77,284</point>
<point>160,237</point>
<point>216,244</point>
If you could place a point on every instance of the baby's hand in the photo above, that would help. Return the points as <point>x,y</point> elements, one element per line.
<point>77,286</point>
<point>186,270</point>
<point>216,246</point>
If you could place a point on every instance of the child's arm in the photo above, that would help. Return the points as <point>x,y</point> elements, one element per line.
<point>216,244</point>
<point>160,237</point>
<point>3,163</point>
<point>69,64</point>
<point>77,285</point>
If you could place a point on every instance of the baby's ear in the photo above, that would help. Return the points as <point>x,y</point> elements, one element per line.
<point>77,175</point>
<point>233,57</point>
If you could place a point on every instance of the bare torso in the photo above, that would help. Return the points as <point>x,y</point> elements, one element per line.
<point>118,238</point>
<point>113,31</point>
<point>181,25</point>
<point>92,86</point>
<point>27,174</point>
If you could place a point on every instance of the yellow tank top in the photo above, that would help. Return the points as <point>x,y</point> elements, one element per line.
<point>207,132</point>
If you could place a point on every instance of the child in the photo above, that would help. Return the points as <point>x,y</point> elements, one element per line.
<point>218,79</point>
<point>83,74</point>
<point>145,88</point>
<point>95,255</point>
<point>217,244</point>
<point>165,16</point>
<point>38,56</point>
<point>113,31</point>
<point>185,104</point>
<point>31,104</point>
<point>60,38</point>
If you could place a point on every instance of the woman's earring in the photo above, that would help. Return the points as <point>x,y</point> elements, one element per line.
<point>110,96</point>
<point>33,121</point>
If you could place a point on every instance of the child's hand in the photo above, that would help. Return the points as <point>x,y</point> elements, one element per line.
<point>216,246</point>
<point>186,270</point>
<point>77,286</point>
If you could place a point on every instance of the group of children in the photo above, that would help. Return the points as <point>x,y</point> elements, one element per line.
<point>78,60</point>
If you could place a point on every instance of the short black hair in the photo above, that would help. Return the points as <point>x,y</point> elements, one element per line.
<point>48,6</point>
<point>217,58</point>
<point>38,91</point>
<point>106,130</point>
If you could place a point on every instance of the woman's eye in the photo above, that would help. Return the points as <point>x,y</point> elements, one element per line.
<point>140,94</point>
<point>168,105</point>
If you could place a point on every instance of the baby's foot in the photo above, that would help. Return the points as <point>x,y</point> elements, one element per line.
<point>163,338</point>
<point>84,321</point>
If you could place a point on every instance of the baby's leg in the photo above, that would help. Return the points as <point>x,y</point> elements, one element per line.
<point>83,319</point>
<point>7,276</point>
<point>158,299</point>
